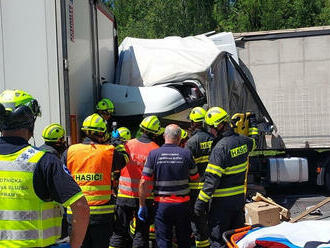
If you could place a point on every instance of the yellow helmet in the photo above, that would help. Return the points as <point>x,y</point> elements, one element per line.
<point>216,115</point>
<point>18,109</point>
<point>151,124</point>
<point>197,114</point>
<point>53,133</point>
<point>105,104</point>
<point>184,134</point>
<point>94,123</point>
<point>124,133</point>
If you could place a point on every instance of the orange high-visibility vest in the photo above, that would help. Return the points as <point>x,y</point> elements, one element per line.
<point>91,166</point>
<point>131,174</point>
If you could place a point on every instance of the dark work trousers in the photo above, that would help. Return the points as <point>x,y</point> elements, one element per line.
<point>221,220</point>
<point>98,232</point>
<point>121,237</point>
<point>199,224</point>
<point>169,215</point>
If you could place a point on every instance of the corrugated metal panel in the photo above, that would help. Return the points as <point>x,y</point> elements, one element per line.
<point>292,77</point>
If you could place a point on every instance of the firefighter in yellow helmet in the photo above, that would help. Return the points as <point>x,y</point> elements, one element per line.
<point>91,164</point>
<point>124,133</point>
<point>224,177</point>
<point>199,144</point>
<point>128,195</point>
<point>44,181</point>
<point>55,143</point>
<point>105,108</point>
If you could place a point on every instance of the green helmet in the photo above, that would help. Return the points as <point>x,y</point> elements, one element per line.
<point>94,124</point>
<point>19,110</point>
<point>151,124</point>
<point>197,114</point>
<point>124,133</point>
<point>184,134</point>
<point>53,133</point>
<point>216,115</point>
<point>105,104</point>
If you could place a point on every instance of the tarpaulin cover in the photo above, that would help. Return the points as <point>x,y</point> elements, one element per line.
<point>146,62</point>
<point>301,234</point>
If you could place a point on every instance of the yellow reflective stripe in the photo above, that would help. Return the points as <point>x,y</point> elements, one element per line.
<point>229,191</point>
<point>204,197</point>
<point>13,156</point>
<point>236,168</point>
<point>214,169</point>
<point>254,145</point>
<point>204,243</point>
<point>196,185</point>
<point>96,188</point>
<point>97,197</point>
<point>134,197</point>
<point>35,158</point>
<point>106,209</point>
<point>73,199</point>
<point>202,159</point>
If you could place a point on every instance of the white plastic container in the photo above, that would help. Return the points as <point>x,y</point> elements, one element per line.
<point>289,170</point>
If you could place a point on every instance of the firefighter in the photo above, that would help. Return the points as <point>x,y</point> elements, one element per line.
<point>168,170</point>
<point>184,138</point>
<point>128,195</point>
<point>105,108</point>
<point>200,146</point>
<point>91,164</point>
<point>224,178</point>
<point>124,134</point>
<point>33,182</point>
<point>53,135</point>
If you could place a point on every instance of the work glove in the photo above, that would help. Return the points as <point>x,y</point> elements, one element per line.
<point>201,208</point>
<point>143,213</point>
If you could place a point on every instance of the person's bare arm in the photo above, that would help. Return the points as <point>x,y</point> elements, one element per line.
<point>80,220</point>
<point>145,189</point>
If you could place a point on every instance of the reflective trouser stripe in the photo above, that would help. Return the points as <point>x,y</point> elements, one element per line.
<point>203,159</point>
<point>198,185</point>
<point>229,191</point>
<point>27,215</point>
<point>29,234</point>
<point>203,243</point>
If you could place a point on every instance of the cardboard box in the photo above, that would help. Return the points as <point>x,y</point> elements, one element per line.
<point>262,213</point>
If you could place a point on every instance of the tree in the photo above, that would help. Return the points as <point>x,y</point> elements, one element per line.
<point>161,18</point>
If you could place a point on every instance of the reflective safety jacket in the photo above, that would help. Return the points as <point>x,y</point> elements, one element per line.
<point>91,167</point>
<point>25,220</point>
<point>130,175</point>
<point>200,144</point>
<point>226,171</point>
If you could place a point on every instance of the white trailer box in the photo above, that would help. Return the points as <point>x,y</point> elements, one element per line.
<point>292,77</point>
<point>58,51</point>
